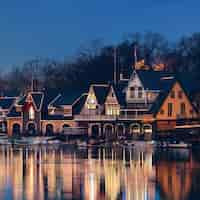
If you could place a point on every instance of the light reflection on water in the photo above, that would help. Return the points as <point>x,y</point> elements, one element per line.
<point>36,173</point>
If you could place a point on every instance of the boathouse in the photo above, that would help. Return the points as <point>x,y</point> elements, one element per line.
<point>135,108</point>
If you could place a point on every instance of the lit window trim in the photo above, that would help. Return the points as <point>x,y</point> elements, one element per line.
<point>91,103</point>
<point>113,110</point>
<point>31,113</point>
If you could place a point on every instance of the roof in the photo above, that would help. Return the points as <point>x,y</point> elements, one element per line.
<point>101,92</point>
<point>166,86</point>
<point>66,97</point>
<point>121,96</point>
<point>7,102</point>
<point>9,92</point>
<point>14,113</point>
<point>78,104</point>
<point>38,98</point>
<point>190,83</point>
<point>21,101</point>
<point>152,79</point>
<point>62,100</point>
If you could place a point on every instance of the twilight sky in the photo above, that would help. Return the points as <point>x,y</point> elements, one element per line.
<point>57,28</point>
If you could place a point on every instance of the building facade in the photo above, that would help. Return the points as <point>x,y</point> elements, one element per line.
<point>137,107</point>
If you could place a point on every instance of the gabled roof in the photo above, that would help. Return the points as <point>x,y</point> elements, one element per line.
<point>121,96</point>
<point>7,102</point>
<point>64,98</point>
<point>37,99</point>
<point>101,92</point>
<point>78,104</point>
<point>166,86</point>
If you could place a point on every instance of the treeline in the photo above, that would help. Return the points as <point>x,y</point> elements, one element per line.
<point>95,62</point>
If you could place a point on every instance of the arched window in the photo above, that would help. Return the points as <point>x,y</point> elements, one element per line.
<point>31,113</point>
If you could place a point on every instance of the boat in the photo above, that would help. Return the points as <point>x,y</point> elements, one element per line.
<point>173,145</point>
<point>178,145</point>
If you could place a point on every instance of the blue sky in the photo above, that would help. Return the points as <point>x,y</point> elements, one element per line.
<point>57,28</point>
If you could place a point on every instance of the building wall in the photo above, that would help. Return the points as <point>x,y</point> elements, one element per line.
<point>11,122</point>
<point>135,82</point>
<point>57,125</point>
<point>27,121</point>
<point>112,106</point>
<point>91,102</point>
<point>176,102</point>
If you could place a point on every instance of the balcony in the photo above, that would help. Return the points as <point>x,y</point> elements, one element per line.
<point>107,117</point>
<point>94,118</point>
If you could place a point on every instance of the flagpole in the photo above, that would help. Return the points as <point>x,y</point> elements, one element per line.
<point>135,56</point>
<point>115,65</point>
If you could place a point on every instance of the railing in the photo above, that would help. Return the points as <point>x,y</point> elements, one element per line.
<point>107,117</point>
<point>94,117</point>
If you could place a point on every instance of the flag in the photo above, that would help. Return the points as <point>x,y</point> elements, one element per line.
<point>139,64</point>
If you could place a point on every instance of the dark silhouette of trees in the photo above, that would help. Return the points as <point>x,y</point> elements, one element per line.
<point>94,63</point>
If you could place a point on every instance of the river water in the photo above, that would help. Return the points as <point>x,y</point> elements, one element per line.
<point>62,172</point>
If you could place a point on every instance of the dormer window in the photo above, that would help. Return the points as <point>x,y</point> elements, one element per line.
<point>31,113</point>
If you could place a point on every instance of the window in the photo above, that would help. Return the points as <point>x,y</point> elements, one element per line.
<point>132,92</point>
<point>180,94</point>
<point>140,93</point>
<point>91,103</point>
<point>170,109</point>
<point>182,108</point>
<point>31,113</point>
<point>112,110</point>
<point>172,94</point>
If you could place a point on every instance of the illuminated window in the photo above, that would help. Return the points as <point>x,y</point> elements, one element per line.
<point>31,113</point>
<point>91,103</point>
<point>112,110</point>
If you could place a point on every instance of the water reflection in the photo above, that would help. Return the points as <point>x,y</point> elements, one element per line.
<point>97,174</point>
